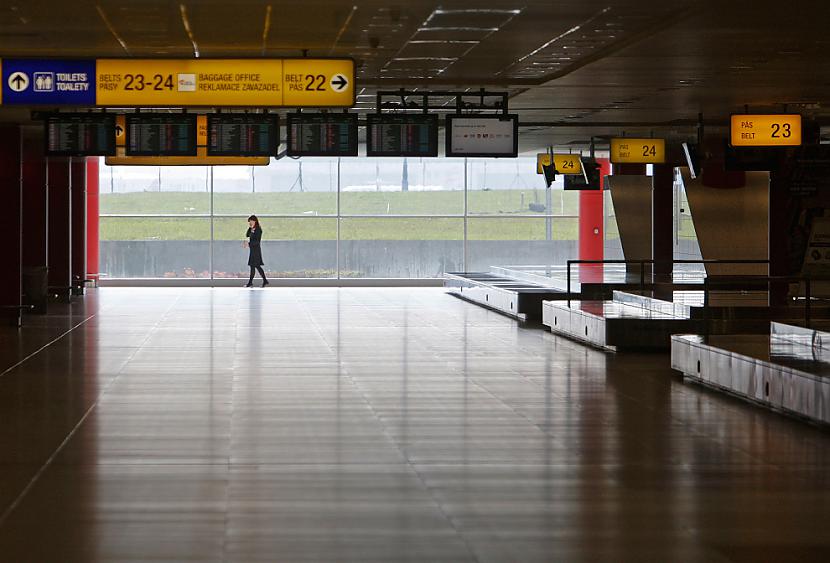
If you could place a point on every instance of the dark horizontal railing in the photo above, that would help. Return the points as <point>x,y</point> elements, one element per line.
<point>643,263</point>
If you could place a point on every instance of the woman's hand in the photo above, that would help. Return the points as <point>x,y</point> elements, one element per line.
<point>244,244</point>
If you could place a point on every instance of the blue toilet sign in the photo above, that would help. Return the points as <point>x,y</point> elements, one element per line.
<point>48,82</point>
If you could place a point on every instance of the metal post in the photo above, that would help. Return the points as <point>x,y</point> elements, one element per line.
<point>210,259</point>
<point>568,281</point>
<point>337,244</point>
<point>706,315</point>
<point>548,208</point>
<point>464,249</point>
<point>807,299</point>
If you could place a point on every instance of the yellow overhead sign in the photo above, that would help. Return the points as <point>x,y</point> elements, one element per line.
<point>318,82</point>
<point>782,130</point>
<point>225,82</point>
<point>638,151</point>
<point>564,163</point>
<point>201,159</point>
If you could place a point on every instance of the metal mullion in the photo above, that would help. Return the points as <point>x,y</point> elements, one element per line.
<point>156,216</point>
<point>466,214</point>
<point>330,216</point>
<point>505,216</point>
<point>337,243</point>
<point>276,216</point>
<point>402,216</point>
<point>210,260</point>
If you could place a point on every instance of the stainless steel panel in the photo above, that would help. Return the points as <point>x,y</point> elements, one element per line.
<point>758,386</point>
<point>731,223</point>
<point>775,392</point>
<point>632,200</point>
<point>775,386</point>
<point>724,375</point>
<point>742,378</point>
<point>679,355</point>
<point>822,402</point>
<point>790,395</point>
<point>705,364</point>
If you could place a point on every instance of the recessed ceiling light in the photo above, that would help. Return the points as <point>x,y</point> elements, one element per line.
<point>456,28</point>
<point>476,11</point>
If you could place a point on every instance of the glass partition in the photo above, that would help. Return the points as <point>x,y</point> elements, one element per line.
<point>292,247</point>
<point>155,247</point>
<point>382,247</point>
<point>306,187</point>
<point>334,217</point>
<point>402,186</point>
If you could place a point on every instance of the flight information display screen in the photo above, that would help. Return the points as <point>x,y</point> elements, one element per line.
<point>322,134</point>
<point>242,135</point>
<point>588,180</point>
<point>161,135</point>
<point>80,134</point>
<point>491,136</point>
<point>402,135</point>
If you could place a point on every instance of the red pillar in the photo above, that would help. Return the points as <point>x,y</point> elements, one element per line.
<point>78,226</point>
<point>92,210</point>
<point>591,238</point>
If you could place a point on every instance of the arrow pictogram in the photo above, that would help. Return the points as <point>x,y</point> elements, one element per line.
<point>118,130</point>
<point>339,82</point>
<point>18,81</point>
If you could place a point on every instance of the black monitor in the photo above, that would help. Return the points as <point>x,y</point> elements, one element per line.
<point>402,135</point>
<point>491,136</point>
<point>736,159</point>
<point>322,134</point>
<point>549,170</point>
<point>242,135</point>
<point>161,134</point>
<point>588,180</point>
<point>80,134</point>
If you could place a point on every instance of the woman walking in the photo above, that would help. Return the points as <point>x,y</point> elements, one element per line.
<point>254,235</point>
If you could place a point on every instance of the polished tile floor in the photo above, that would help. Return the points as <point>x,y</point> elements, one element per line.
<point>378,425</point>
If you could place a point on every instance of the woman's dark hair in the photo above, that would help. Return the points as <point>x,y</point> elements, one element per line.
<point>254,219</point>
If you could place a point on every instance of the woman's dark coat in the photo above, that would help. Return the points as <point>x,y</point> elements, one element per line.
<point>255,256</point>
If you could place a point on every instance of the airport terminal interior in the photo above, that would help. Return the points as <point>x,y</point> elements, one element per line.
<point>421,281</point>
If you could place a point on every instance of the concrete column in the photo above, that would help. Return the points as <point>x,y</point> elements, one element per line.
<point>662,219</point>
<point>35,224</point>
<point>59,254</point>
<point>10,224</point>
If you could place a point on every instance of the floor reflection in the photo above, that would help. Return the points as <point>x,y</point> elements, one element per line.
<point>381,425</point>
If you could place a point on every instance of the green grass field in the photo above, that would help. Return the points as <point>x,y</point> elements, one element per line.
<point>507,206</point>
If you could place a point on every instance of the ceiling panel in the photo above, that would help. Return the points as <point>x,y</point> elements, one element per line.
<point>586,67</point>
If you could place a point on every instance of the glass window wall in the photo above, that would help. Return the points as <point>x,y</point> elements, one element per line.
<point>329,217</point>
